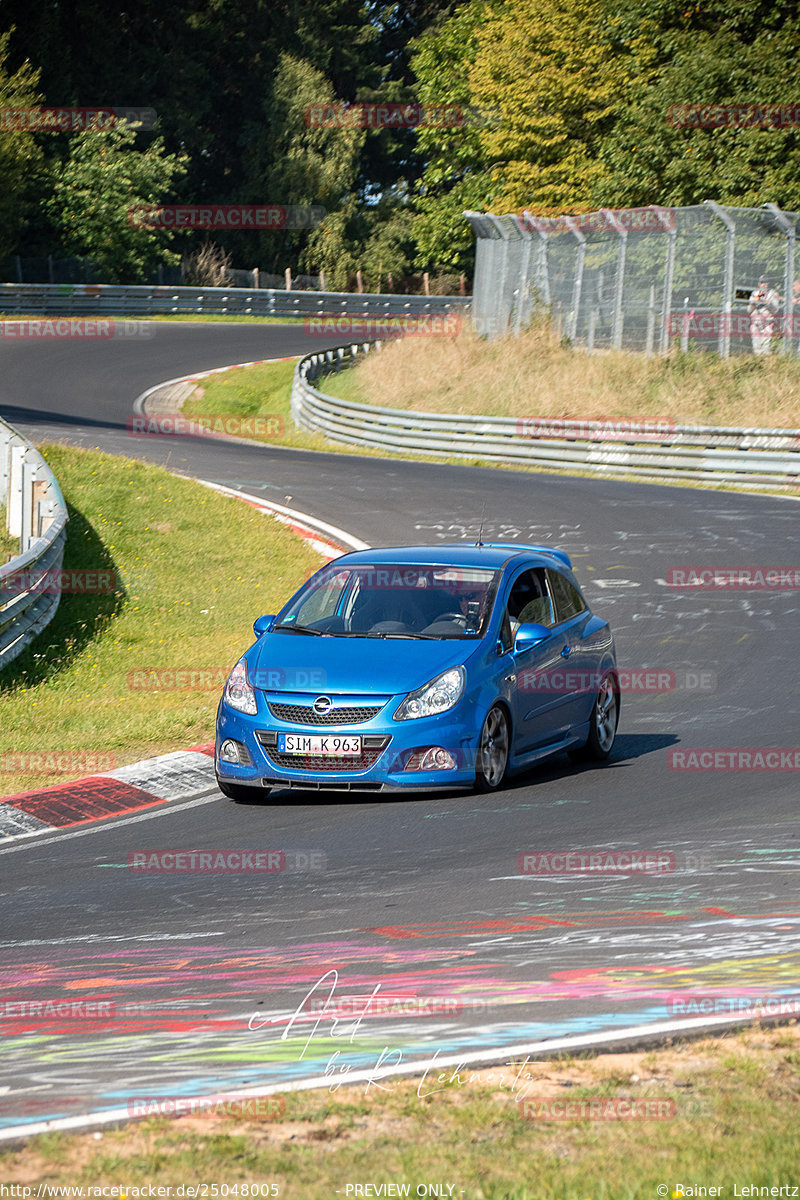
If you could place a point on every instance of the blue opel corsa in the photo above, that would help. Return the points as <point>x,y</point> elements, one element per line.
<point>420,668</point>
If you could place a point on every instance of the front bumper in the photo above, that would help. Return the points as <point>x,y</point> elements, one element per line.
<point>387,745</point>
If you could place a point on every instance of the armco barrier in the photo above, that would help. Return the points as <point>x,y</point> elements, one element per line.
<point>37,515</point>
<point>106,299</point>
<point>755,458</point>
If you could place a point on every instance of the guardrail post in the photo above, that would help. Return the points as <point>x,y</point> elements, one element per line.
<point>27,489</point>
<point>14,498</point>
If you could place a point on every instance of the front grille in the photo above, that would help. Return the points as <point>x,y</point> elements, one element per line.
<point>315,762</point>
<point>303,714</point>
<point>371,748</point>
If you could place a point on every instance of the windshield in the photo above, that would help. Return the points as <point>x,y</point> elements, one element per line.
<point>393,600</point>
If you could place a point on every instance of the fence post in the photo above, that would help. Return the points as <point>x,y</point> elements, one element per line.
<point>685,326</point>
<point>572,318</point>
<point>651,320</point>
<point>322,287</point>
<point>669,277</point>
<point>619,282</point>
<point>727,282</point>
<point>523,274</point>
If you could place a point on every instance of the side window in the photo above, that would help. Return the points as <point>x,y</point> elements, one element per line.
<point>529,601</point>
<point>568,600</point>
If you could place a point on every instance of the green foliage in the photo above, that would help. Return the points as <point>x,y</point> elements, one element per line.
<point>455,176</point>
<point>20,156</point>
<point>95,187</point>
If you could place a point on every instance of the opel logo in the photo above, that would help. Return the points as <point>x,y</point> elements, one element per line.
<point>322,705</point>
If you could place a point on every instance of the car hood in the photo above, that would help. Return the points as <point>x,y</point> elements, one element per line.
<point>388,666</point>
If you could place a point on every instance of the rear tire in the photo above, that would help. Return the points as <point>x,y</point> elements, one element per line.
<point>240,791</point>
<point>602,724</point>
<point>493,749</point>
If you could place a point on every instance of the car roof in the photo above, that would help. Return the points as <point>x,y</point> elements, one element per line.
<point>460,554</point>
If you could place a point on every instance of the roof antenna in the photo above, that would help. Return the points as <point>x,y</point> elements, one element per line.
<point>480,531</point>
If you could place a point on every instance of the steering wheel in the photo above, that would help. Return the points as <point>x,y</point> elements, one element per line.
<point>451,616</point>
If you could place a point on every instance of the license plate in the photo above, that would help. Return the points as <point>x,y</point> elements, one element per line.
<point>325,745</point>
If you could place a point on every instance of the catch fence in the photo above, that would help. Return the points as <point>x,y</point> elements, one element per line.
<point>644,279</point>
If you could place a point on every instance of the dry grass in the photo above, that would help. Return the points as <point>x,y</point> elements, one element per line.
<point>537,375</point>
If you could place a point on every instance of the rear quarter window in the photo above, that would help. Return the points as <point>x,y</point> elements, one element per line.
<point>568,600</point>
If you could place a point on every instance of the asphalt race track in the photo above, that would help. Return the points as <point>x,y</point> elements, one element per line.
<point>423,896</point>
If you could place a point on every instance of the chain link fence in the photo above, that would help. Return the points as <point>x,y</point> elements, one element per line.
<point>707,277</point>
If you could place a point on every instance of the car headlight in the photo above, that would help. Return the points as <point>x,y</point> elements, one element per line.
<point>435,697</point>
<point>238,692</point>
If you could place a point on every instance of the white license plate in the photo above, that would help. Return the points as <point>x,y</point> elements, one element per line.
<point>326,745</point>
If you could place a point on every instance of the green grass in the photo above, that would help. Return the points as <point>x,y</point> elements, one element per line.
<point>735,1122</point>
<point>193,570</point>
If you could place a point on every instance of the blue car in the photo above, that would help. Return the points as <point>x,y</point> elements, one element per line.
<point>419,668</point>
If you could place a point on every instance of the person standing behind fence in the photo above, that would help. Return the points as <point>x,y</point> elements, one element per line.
<point>763,306</point>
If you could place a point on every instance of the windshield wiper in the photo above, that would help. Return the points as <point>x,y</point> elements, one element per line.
<point>299,629</point>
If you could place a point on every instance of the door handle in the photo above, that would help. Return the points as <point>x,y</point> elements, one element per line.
<point>565,653</point>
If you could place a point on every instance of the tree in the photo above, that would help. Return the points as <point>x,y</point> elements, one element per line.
<point>456,175</point>
<point>20,156</point>
<point>94,189</point>
<point>547,66</point>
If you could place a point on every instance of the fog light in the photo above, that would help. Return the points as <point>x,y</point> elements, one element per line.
<point>234,752</point>
<point>434,758</point>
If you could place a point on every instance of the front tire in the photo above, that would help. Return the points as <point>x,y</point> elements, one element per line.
<point>493,749</point>
<point>239,791</point>
<point>602,724</point>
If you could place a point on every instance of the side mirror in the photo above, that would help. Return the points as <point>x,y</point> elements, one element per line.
<point>263,624</point>
<point>529,635</point>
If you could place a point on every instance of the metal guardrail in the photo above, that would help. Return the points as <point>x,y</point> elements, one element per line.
<point>757,458</point>
<point>106,299</point>
<point>37,515</point>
